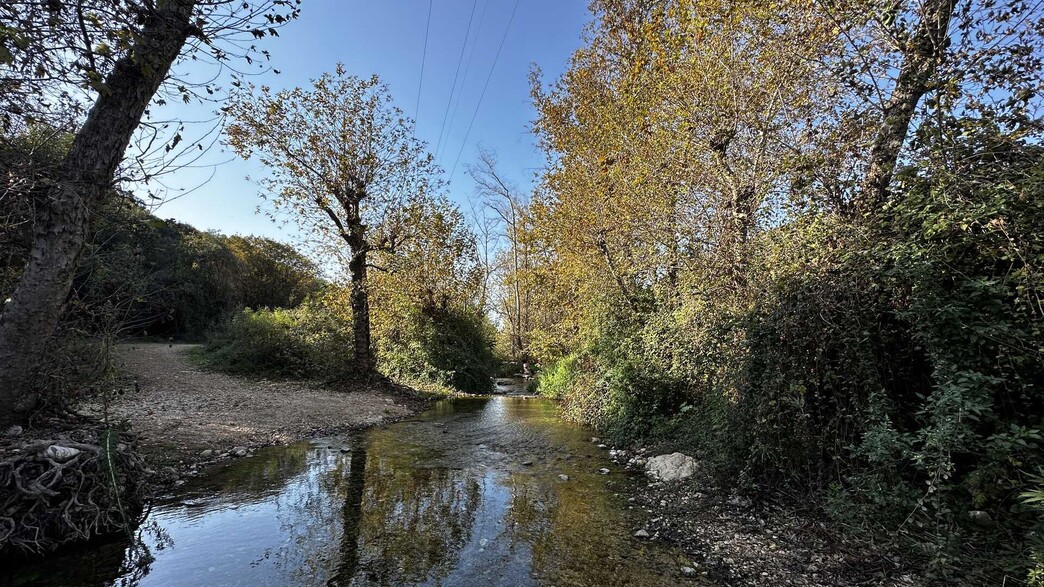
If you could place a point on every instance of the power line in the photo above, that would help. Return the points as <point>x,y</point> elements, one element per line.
<point>424,58</point>
<point>464,79</point>
<point>453,88</point>
<point>483,94</point>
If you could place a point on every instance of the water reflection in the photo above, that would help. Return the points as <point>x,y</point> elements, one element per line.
<point>470,494</point>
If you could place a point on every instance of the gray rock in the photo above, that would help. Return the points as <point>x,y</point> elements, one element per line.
<point>671,467</point>
<point>603,471</point>
<point>13,431</point>
<point>980,518</point>
<point>688,572</point>
<point>60,453</point>
<point>240,451</point>
<point>207,453</point>
<point>643,533</point>
<point>564,477</point>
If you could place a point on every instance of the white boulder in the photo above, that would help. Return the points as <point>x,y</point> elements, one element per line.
<point>671,467</point>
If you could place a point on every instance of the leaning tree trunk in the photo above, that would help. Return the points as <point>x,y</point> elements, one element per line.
<point>360,302</point>
<point>923,52</point>
<point>30,317</point>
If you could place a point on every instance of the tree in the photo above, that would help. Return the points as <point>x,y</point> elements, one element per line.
<point>508,205</point>
<point>344,162</point>
<point>113,55</point>
<point>273,274</point>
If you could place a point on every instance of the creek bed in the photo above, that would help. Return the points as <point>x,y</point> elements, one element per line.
<point>476,491</point>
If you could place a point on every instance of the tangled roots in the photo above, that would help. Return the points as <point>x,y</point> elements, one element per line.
<point>71,486</point>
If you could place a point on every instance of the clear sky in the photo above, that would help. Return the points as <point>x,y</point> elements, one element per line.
<point>386,37</point>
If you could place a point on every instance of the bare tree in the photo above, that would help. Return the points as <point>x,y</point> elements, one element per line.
<point>504,199</point>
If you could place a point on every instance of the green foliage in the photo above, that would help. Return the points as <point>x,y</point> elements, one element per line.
<point>309,341</point>
<point>893,369</point>
<point>449,347</point>
<point>556,380</point>
<point>272,274</point>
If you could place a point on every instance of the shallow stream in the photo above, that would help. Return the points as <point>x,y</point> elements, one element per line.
<point>476,491</point>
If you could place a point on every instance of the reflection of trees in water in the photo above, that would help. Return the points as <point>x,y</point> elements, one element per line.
<point>414,520</point>
<point>310,513</point>
<point>254,478</point>
<point>351,519</point>
<point>577,533</point>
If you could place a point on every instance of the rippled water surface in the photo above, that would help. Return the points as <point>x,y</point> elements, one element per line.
<point>470,493</point>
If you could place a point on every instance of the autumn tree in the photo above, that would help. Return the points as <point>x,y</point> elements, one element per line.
<point>345,165</point>
<point>108,60</point>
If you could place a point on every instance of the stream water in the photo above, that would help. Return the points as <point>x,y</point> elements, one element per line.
<point>476,491</point>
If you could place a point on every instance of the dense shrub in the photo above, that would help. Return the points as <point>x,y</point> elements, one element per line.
<point>309,341</point>
<point>447,347</point>
<point>891,369</point>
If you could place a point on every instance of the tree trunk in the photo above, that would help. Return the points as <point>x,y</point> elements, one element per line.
<point>360,302</point>
<point>30,317</point>
<point>517,343</point>
<point>921,57</point>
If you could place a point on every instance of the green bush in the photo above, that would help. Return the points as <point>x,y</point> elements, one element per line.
<point>890,369</point>
<point>555,380</point>
<point>448,347</point>
<point>308,341</point>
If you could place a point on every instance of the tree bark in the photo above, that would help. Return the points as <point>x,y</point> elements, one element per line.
<point>30,317</point>
<point>921,57</point>
<point>360,302</point>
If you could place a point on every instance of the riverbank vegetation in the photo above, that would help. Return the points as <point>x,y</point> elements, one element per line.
<point>804,242</point>
<point>799,240</point>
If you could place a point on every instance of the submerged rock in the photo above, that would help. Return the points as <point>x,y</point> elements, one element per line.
<point>671,467</point>
<point>13,431</point>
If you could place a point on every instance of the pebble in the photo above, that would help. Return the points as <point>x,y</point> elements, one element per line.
<point>564,477</point>
<point>643,533</point>
<point>207,453</point>
<point>240,451</point>
<point>603,471</point>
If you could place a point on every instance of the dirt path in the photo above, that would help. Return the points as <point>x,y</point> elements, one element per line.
<point>179,410</point>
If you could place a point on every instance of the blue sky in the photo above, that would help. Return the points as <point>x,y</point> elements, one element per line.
<point>386,37</point>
